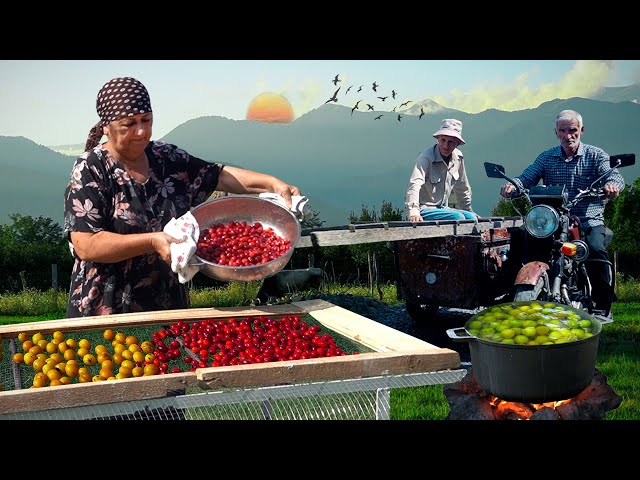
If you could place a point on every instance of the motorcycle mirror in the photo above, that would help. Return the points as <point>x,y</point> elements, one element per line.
<point>622,160</point>
<point>494,170</point>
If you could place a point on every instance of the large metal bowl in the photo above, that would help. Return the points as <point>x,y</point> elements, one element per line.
<point>250,209</point>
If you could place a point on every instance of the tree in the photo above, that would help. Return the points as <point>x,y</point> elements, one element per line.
<point>27,229</point>
<point>312,222</point>
<point>510,208</point>
<point>28,248</point>
<point>379,252</point>
<point>388,213</point>
<point>622,215</point>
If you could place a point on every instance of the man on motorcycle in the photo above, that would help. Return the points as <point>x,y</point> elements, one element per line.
<point>576,165</point>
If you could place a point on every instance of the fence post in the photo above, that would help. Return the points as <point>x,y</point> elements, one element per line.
<point>370,276</point>
<point>54,276</point>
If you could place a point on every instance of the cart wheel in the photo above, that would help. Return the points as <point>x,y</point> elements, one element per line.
<point>422,312</point>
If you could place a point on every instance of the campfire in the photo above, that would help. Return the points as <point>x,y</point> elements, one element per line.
<point>468,401</point>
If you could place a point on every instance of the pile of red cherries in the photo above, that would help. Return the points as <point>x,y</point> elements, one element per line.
<point>241,341</point>
<point>240,244</point>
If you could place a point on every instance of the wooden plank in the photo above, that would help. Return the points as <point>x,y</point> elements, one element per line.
<point>394,231</point>
<point>372,334</point>
<point>330,368</point>
<point>95,393</point>
<point>142,319</point>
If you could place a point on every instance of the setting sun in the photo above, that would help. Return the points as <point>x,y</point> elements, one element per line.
<point>270,108</point>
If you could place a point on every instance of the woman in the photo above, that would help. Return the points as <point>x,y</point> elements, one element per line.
<point>439,170</point>
<point>120,196</point>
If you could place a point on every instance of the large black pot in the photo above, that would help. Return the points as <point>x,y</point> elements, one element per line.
<point>533,373</point>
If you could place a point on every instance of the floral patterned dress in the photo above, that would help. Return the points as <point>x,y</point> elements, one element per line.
<point>101,196</point>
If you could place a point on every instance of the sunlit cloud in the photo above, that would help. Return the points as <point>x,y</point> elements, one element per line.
<point>583,80</point>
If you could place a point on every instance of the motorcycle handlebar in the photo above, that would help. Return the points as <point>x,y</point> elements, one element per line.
<point>588,193</point>
<point>517,193</point>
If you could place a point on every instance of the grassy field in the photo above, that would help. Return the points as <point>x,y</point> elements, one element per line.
<point>618,352</point>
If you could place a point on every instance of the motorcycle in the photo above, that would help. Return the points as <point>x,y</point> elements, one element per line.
<point>550,252</point>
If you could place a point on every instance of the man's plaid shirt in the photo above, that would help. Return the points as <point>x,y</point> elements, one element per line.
<point>587,164</point>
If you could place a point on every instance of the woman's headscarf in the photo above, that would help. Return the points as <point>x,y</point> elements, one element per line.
<point>118,98</point>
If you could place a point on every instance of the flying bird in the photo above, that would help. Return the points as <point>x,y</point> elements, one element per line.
<point>399,117</point>
<point>335,96</point>
<point>335,80</point>
<point>383,98</point>
<point>393,94</point>
<point>370,107</point>
<point>355,107</point>
<point>378,117</point>
<point>375,87</point>
<point>406,103</point>
<point>359,89</point>
<point>394,109</point>
<point>421,113</point>
<point>347,91</point>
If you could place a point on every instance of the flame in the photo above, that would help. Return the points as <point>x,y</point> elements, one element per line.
<point>496,402</point>
<point>553,404</point>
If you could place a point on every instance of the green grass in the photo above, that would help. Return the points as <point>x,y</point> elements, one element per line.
<point>619,359</point>
<point>618,352</point>
<point>32,306</point>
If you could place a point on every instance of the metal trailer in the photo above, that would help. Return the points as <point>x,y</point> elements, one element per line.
<point>454,263</point>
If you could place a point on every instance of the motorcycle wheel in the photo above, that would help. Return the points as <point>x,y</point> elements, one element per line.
<point>528,293</point>
<point>420,312</point>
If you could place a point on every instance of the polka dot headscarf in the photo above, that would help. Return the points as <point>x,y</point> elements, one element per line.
<point>118,98</point>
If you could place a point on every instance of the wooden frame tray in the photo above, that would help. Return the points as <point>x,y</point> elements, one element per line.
<point>393,353</point>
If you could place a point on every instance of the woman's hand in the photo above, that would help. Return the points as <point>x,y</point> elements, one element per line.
<point>239,180</point>
<point>161,243</point>
<point>285,190</point>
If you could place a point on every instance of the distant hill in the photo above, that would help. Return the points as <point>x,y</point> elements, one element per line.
<point>73,150</point>
<point>341,161</point>
<point>629,93</point>
<point>33,179</point>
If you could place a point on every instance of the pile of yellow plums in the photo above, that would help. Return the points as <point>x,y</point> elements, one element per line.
<point>57,360</point>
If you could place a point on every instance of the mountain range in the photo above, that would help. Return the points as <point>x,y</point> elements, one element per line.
<point>344,160</point>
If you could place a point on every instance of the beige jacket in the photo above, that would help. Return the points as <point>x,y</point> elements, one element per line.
<point>432,182</point>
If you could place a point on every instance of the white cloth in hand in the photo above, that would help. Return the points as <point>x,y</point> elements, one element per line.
<point>184,228</point>
<point>299,205</point>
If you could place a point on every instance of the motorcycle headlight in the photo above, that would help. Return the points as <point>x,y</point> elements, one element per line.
<point>541,221</point>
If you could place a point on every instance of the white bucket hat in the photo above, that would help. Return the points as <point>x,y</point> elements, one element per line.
<point>452,128</point>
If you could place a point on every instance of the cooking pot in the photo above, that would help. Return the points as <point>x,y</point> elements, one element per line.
<point>533,373</point>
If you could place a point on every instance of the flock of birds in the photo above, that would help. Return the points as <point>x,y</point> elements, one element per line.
<point>374,87</point>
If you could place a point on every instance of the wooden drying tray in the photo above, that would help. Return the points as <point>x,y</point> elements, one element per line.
<point>394,353</point>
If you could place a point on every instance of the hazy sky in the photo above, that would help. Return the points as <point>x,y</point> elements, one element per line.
<point>52,102</point>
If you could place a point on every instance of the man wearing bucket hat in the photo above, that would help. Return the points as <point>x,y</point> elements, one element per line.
<point>120,196</point>
<point>439,171</point>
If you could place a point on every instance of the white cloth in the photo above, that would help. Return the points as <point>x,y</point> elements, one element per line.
<point>299,205</point>
<point>186,228</point>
